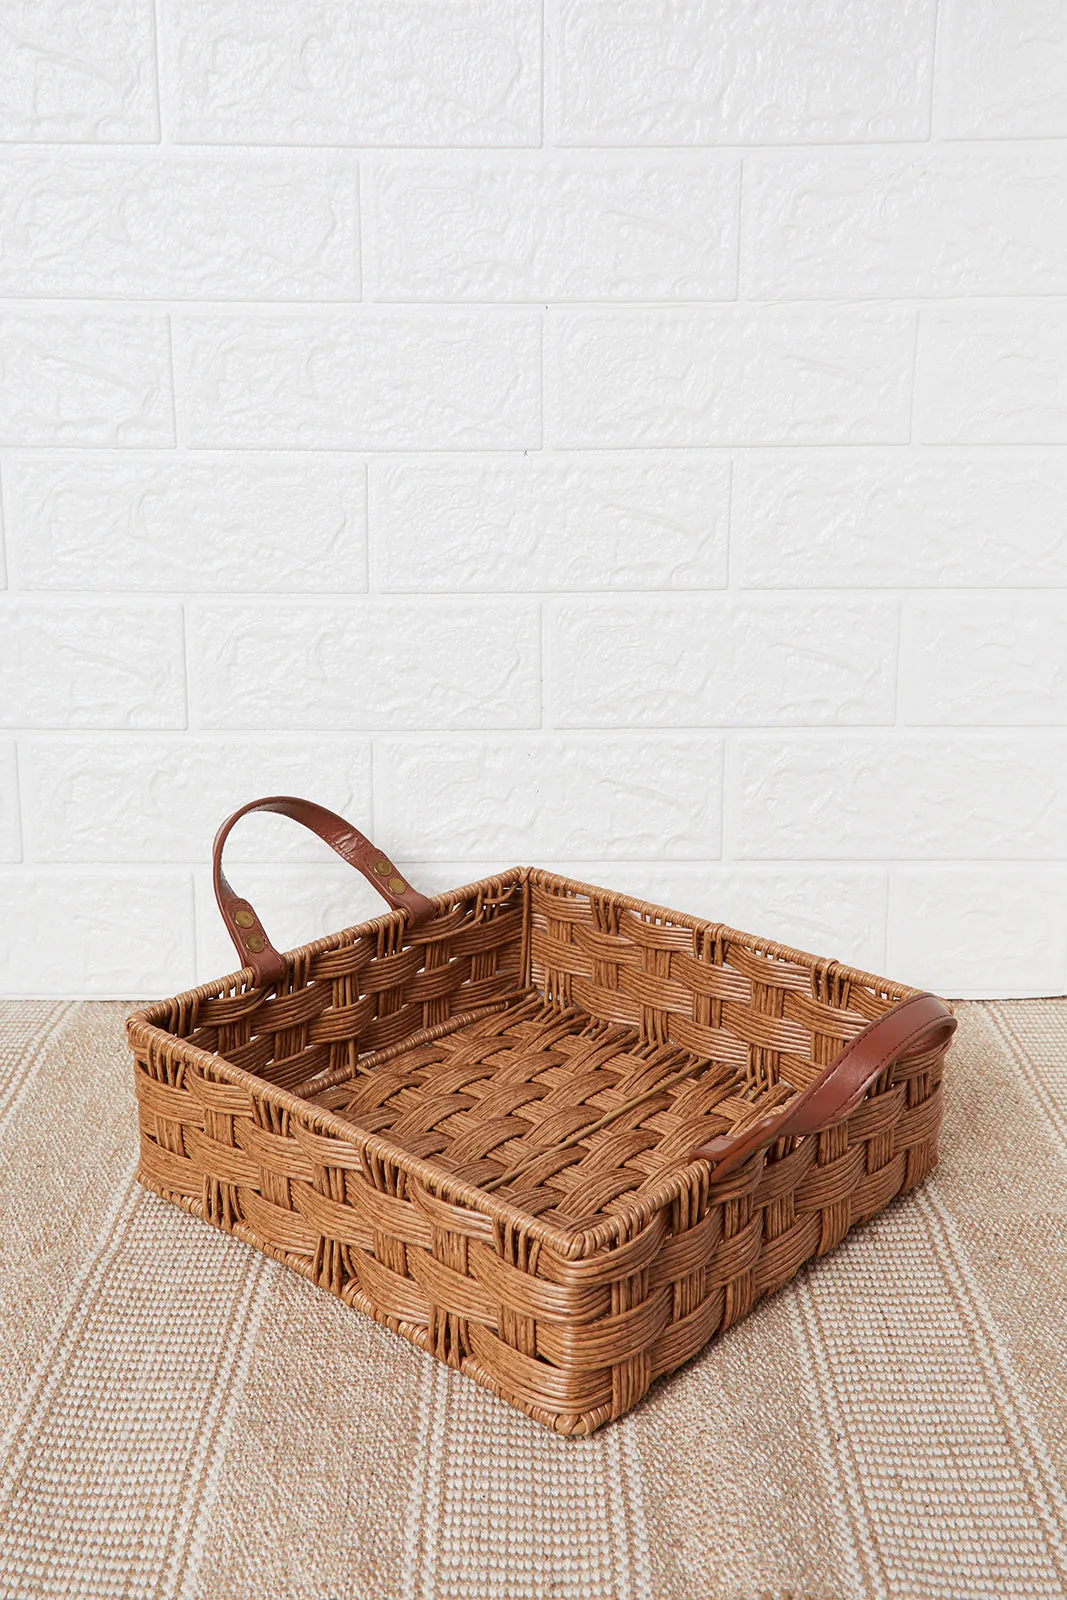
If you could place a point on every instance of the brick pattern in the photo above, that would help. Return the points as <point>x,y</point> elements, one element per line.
<point>545,437</point>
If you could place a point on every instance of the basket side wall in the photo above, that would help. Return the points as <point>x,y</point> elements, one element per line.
<point>362,991</point>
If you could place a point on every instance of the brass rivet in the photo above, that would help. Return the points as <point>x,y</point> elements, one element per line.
<point>382,868</point>
<point>255,943</point>
<point>244,919</point>
<point>397,885</point>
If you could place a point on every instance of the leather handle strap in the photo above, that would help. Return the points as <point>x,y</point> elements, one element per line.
<point>841,1086</point>
<point>242,922</point>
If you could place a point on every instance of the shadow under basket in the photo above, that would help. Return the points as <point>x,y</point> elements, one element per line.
<point>554,1136</point>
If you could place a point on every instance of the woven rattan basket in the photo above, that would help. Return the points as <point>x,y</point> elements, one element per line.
<point>554,1136</point>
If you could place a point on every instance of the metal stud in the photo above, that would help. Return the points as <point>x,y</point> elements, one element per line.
<point>244,919</point>
<point>397,885</point>
<point>256,943</point>
<point>383,868</point>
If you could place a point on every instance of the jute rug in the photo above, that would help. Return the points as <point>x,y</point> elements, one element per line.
<point>186,1419</point>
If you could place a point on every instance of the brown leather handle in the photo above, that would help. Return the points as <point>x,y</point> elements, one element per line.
<point>841,1086</point>
<point>244,926</point>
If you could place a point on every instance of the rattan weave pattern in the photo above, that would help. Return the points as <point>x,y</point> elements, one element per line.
<point>479,1130</point>
<point>561,1115</point>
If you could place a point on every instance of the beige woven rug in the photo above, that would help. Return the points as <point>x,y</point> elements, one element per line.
<point>189,1419</point>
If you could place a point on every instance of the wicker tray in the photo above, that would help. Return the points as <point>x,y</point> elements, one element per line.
<point>554,1136</point>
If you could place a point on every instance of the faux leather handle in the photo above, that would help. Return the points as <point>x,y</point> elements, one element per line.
<point>244,926</point>
<point>841,1086</point>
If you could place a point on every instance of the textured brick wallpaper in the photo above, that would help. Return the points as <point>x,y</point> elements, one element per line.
<point>630,437</point>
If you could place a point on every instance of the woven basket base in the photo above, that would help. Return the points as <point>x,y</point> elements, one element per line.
<point>561,1115</point>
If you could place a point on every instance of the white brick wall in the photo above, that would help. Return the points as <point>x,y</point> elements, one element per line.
<point>631,438</point>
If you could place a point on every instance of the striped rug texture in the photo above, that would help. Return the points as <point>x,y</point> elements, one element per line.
<point>188,1421</point>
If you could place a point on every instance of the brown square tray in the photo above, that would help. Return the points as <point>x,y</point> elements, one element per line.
<point>555,1136</point>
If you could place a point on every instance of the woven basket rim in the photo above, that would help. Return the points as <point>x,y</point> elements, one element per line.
<point>571,1243</point>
